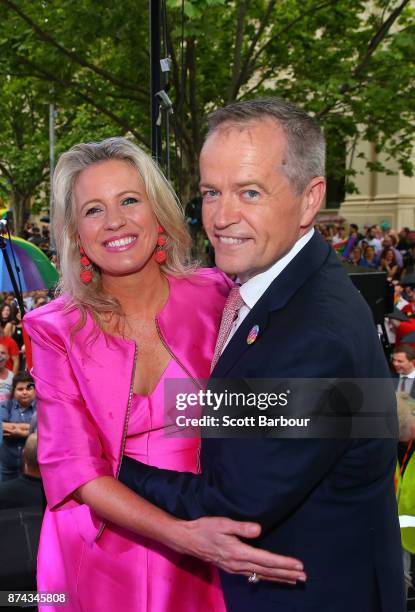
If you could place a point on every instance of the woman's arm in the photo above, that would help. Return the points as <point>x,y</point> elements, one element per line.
<point>215,540</point>
<point>9,329</point>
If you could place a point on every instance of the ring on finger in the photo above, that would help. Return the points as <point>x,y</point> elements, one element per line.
<point>253,579</point>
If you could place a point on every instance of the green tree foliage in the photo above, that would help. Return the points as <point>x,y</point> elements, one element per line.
<point>349,62</point>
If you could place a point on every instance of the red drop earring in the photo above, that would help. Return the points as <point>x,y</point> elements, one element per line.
<point>86,272</point>
<point>160,254</point>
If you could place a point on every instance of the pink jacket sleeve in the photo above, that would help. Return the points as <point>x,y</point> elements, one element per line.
<point>69,449</point>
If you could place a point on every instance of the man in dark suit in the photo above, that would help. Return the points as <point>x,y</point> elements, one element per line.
<point>403,360</point>
<point>328,502</point>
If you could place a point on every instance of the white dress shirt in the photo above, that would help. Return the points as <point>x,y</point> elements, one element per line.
<point>254,288</point>
<point>409,381</point>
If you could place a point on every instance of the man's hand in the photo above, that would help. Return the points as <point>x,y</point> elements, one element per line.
<point>217,540</point>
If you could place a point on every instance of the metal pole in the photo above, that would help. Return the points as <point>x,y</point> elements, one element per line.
<point>51,170</point>
<point>155,81</point>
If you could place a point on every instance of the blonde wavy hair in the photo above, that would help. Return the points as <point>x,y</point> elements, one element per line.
<point>91,297</point>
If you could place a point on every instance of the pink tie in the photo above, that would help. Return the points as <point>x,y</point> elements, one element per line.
<point>230,312</point>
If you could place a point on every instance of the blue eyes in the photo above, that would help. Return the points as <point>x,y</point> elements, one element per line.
<point>129,200</point>
<point>249,194</point>
<point>92,211</point>
<point>211,193</point>
<point>97,209</point>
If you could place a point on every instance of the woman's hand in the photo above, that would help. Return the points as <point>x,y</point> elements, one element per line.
<point>217,540</point>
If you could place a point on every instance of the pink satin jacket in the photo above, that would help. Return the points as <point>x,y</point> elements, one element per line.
<point>84,382</point>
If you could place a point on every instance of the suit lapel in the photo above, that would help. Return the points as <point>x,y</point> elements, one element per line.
<point>276,297</point>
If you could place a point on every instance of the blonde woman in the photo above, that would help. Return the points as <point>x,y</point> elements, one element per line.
<point>101,352</point>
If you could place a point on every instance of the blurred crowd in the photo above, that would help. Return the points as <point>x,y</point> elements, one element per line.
<point>377,247</point>
<point>39,236</point>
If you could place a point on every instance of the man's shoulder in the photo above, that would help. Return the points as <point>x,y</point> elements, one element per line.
<point>19,493</point>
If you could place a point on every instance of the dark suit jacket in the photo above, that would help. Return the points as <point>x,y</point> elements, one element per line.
<point>328,502</point>
<point>22,492</point>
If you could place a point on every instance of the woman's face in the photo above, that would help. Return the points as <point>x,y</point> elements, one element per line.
<point>5,312</point>
<point>389,256</point>
<point>369,253</point>
<point>357,254</point>
<point>116,223</point>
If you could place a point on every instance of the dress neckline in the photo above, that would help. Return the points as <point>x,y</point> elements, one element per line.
<point>140,396</point>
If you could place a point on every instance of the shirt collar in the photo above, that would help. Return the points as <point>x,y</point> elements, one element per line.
<point>410,375</point>
<point>255,287</point>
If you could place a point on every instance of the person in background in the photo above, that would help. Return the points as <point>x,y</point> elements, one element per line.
<point>13,361</point>
<point>16,415</point>
<point>6,376</point>
<point>35,238</point>
<point>373,240</point>
<point>25,491</point>
<point>29,300</point>
<point>405,477</point>
<point>14,330</point>
<point>356,256</point>
<point>403,361</point>
<point>6,315</point>
<point>369,259</point>
<point>389,264</point>
<point>409,308</point>
<point>398,295</point>
<point>390,242</point>
<point>404,240</point>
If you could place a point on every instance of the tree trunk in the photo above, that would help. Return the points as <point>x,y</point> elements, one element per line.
<point>20,204</point>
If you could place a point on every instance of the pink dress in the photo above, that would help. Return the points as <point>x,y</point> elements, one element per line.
<point>83,387</point>
<point>143,576</point>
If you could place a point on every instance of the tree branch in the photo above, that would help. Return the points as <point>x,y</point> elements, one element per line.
<point>243,76</point>
<point>237,54</point>
<point>85,97</point>
<point>71,54</point>
<point>364,62</point>
<point>193,107</point>
<point>248,69</point>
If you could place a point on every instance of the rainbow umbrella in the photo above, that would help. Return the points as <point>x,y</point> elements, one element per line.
<point>36,271</point>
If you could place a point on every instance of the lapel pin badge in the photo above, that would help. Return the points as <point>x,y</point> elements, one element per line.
<point>253,334</point>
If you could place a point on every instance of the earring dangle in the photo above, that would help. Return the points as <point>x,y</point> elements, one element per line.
<point>160,255</point>
<point>86,272</point>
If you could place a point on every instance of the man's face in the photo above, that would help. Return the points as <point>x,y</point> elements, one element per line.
<point>4,355</point>
<point>24,393</point>
<point>251,212</point>
<point>402,364</point>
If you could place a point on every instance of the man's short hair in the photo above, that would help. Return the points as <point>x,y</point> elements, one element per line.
<point>30,451</point>
<point>304,157</point>
<point>22,377</point>
<point>407,349</point>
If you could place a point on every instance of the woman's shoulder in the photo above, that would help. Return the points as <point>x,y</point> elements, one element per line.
<point>56,316</point>
<point>204,289</point>
<point>208,277</point>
